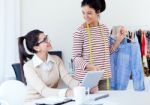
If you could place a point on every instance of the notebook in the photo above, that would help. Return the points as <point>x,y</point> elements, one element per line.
<point>53,101</point>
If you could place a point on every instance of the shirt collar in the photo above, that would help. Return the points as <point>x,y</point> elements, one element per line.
<point>37,61</point>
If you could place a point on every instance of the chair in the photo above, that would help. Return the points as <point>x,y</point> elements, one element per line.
<point>58,53</point>
<point>18,72</point>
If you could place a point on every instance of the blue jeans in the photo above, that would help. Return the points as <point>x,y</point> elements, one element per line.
<point>124,61</point>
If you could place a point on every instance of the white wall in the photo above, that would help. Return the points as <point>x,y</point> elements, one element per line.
<point>9,31</point>
<point>59,18</point>
<point>131,13</point>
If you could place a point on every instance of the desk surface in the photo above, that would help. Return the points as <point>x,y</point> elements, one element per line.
<point>119,98</point>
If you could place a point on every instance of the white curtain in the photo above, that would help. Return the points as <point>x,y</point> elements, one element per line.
<point>9,31</point>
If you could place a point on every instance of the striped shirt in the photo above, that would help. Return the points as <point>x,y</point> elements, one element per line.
<point>100,52</point>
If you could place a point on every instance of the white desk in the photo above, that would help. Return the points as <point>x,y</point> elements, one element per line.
<point>119,98</point>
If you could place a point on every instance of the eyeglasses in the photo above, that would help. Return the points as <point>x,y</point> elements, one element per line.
<point>44,40</point>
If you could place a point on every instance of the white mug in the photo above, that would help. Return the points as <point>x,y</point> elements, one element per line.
<point>79,94</point>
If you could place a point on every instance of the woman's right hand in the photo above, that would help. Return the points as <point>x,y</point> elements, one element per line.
<point>91,67</point>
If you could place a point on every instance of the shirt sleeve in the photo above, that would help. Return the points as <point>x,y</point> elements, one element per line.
<point>65,76</point>
<point>108,33</point>
<point>78,41</point>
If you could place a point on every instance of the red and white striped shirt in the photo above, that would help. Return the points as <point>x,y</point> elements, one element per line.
<point>81,52</point>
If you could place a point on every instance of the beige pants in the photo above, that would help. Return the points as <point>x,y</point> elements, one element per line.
<point>102,85</point>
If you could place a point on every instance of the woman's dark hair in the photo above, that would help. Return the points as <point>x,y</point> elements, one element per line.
<point>31,40</point>
<point>98,5</point>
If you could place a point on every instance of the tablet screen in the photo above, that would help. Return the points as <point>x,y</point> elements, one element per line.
<point>92,78</point>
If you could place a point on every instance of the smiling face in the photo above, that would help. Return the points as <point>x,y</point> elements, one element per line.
<point>43,44</point>
<point>89,14</point>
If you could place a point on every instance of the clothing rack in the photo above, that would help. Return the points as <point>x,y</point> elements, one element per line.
<point>137,27</point>
<point>144,28</point>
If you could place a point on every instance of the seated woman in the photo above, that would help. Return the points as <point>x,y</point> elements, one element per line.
<point>43,71</point>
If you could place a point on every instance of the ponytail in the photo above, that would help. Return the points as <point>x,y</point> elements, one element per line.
<point>23,55</point>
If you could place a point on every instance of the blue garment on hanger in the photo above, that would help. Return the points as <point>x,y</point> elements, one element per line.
<point>124,61</point>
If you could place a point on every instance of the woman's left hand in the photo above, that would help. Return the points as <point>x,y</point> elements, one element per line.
<point>121,35</point>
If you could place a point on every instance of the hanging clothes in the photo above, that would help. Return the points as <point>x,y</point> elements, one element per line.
<point>124,61</point>
<point>144,49</point>
<point>147,33</point>
<point>148,39</point>
<point>143,39</point>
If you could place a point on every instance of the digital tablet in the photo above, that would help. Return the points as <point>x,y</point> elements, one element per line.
<point>92,78</point>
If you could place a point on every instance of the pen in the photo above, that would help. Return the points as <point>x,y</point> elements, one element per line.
<point>60,103</point>
<point>100,97</point>
<point>42,104</point>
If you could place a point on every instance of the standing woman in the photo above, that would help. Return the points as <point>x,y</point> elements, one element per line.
<point>91,43</point>
<point>43,71</point>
